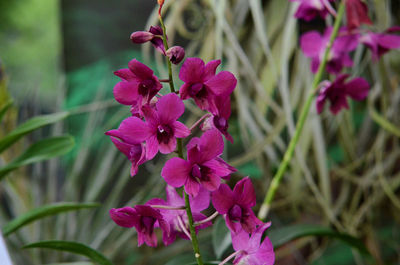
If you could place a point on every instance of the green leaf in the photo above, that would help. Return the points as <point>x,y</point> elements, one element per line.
<point>42,212</point>
<point>39,151</point>
<point>73,247</point>
<point>286,234</point>
<point>3,109</point>
<point>29,126</point>
<point>250,169</point>
<point>221,238</point>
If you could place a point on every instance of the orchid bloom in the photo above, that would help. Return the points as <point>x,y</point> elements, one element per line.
<point>337,91</point>
<point>154,35</point>
<point>381,43</point>
<point>144,218</point>
<point>249,249</point>
<point>310,9</point>
<point>138,86</point>
<point>313,45</point>
<point>236,206</point>
<point>202,84</point>
<point>177,219</point>
<point>203,166</point>
<point>357,14</point>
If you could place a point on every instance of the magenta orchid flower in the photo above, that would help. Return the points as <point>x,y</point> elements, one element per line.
<point>177,219</point>
<point>249,249</point>
<point>236,206</point>
<point>356,14</point>
<point>163,127</point>
<point>381,43</point>
<point>144,218</point>
<point>203,166</point>
<point>154,35</point>
<point>313,45</point>
<point>337,92</point>
<point>138,86</point>
<point>310,9</point>
<point>219,119</point>
<point>202,84</point>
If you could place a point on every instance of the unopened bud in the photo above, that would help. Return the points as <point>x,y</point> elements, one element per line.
<point>160,2</point>
<point>141,36</point>
<point>175,54</point>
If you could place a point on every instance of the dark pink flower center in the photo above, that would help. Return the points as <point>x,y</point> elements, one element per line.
<point>235,213</point>
<point>164,133</point>
<point>146,87</point>
<point>198,90</point>
<point>135,152</point>
<point>200,172</point>
<point>147,224</point>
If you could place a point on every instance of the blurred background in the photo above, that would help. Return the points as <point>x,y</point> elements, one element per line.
<point>59,55</point>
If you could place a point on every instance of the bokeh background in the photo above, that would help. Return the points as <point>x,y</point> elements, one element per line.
<point>59,55</point>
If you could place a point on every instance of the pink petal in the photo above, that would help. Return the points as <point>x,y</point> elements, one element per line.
<point>125,217</point>
<point>184,91</point>
<point>341,102</point>
<point>126,93</point>
<point>311,43</point>
<point>222,199</point>
<point>192,187</point>
<point>192,70</point>
<point>212,183</point>
<point>131,130</point>
<point>254,242</point>
<point>169,108</point>
<point>173,197</point>
<point>240,240</point>
<point>151,116</point>
<point>180,130</point>
<point>169,147</point>
<point>176,171</point>
<point>201,201</point>
<point>244,193</point>
<point>222,84</point>
<point>220,167</point>
<point>211,145</point>
<point>357,88</point>
<point>151,147</point>
<point>140,70</point>
<point>389,41</point>
<point>125,74</point>
<point>210,69</point>
<point>266,252</point>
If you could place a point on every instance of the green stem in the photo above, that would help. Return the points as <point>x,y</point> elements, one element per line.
<point>171,80</point>
<point>193,235</point>
<point>303,117</point>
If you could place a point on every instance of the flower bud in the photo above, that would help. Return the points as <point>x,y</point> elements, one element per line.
<point>160,2</point>
<point>175,54</point>
<point>141,36</point>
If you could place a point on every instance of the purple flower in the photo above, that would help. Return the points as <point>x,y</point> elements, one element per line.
<point>220,117</point>
<point>338,91</point>
<point>356,14</point>
<point>175,54</point>
<point>310,9</point>
<point>154,35</point>
<point>249,249</point>
<point>177,219</point>
<point>163,125</point>
<point>144,219</point>
<point>236,205</point>
<point>313,45</point>
<point>380,43</point>
<point>202,84</point>
<point>138,86</point>
<point>203,166</point>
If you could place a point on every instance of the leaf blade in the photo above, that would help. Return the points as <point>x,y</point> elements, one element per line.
<point>41,212</point>
<point>72,247</point>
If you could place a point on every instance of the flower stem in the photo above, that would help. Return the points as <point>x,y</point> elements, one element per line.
<point>262,214</point>
<point>171,81</point>
<point>195,243</point>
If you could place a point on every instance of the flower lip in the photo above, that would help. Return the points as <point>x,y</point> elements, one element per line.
<point>164,133</point>
<point>235,213</point>
<point>197,89</point>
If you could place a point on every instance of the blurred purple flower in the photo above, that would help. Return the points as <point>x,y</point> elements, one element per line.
<point>337,92</point>
<point>250,251</point>
<point>356,14</point>
<point>310,9</point>
<point>381,43</point>
<point>203,166</point>
<point>236,205</point>
<point>154,35</point>
<point>138,86</point>
<point>144,219</point>
<point>202,84</point>
<point>313,44</point>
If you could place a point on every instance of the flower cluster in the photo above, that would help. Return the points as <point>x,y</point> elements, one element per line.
<point>313,44</point>
<point>153,127</point>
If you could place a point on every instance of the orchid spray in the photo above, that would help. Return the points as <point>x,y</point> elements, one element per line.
<point>199,173</point>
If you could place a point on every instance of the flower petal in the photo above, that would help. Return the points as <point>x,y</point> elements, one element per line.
<point>125,217</point>
<point>173,198</point>
<point>210,69</point>
<point>311,43</point>
<point>131,130</point>
<point>192,187</point>
<point>244,193</point>
<point>180,130</point>
<point>176,171</point>
<point>222,199</point>
<point>201,201</point>
<point>357,88</point>
<point>140,70</point>
<point>192,70</point>
<point>211,145</point>
<point>125,74</point>
<point>126,93</point>
<point>166,148</point>
<point>222,84</point>
<point>169,108</point>
<point>151,147</point>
